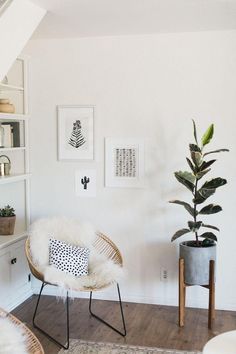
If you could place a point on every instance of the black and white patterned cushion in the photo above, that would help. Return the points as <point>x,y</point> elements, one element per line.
<point>68,258</point>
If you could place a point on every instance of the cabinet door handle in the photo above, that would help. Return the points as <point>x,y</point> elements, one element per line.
<point>13,261</point>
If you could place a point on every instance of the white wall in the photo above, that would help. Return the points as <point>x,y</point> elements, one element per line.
<point>148,87</point>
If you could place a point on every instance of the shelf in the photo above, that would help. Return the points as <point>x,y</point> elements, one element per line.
<point>14,178</point>
<point>8,240</point>
<point>13,116</point>
<point>12,149</point>
<point>6,87</point>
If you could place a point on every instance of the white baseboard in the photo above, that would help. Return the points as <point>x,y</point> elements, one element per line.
<point>19,300</point>
<point>111,295</point>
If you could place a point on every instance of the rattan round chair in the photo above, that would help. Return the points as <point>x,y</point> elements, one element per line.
<point>33,345</point>
<point>105,247</point>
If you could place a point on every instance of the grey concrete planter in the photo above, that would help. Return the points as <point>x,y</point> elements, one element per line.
<point>196,260</point>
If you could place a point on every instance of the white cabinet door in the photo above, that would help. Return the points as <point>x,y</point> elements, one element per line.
<point>5,277</point>
<point>19,267</point>
<point>15,285</point>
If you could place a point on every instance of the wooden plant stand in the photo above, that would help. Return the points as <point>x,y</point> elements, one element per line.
<point>182,293</point>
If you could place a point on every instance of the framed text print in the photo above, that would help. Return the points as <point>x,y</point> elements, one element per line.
<point>124,163</point>
<point>75,132</point>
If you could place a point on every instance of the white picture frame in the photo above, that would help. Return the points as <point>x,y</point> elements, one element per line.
<point>86,183</point>
<point>124,163</point>
<point>75,132</point>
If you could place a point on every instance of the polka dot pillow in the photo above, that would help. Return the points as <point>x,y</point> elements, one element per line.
<point>68,258</point>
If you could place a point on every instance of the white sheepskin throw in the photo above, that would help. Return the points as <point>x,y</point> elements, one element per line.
<point>102,271</point>
<point>12,338</point>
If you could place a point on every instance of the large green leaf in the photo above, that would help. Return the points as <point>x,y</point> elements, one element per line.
<point>210,209</point>
<point>186,178</point>
<point>187,175</point>
<point>197,158</point>
<point>179,233</point>
<point>215,151</point>
<point>210,227</point>
<point>185,205</point>
<point>209,235</point>
<point>207,242</point>
<point>194,226</point>
<point>208,135</point>
<point>206,164</point>
<point>195,131</point>
<point>202,195</point>
<point>202,173</point>
<point>206,192</point>
<point>214,183</point>
<point>190,164</point>
<point>194,147</point>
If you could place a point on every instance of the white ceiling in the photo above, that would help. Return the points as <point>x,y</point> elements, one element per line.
<point>85,18</point>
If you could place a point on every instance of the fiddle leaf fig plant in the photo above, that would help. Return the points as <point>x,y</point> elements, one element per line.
<point>199,167</point>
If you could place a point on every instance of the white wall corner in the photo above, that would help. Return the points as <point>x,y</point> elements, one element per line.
<point>17,24</point>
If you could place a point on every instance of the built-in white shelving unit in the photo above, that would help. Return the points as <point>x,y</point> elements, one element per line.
<point>2,150</point>
<point>15,88</point>
<point>12,117</point>
<point>14,276</point>
<point>14,178</point>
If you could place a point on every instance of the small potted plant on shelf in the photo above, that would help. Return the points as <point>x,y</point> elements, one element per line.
<point>7,220</point>
<point>197,253</point>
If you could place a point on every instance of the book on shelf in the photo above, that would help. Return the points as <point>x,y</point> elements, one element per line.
<point>7,136</point>
<point>11,134</point>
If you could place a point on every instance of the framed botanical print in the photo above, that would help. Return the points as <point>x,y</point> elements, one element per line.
<point>75,132</point>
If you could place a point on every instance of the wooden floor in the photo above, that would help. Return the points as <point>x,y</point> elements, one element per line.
<point>147,325</point>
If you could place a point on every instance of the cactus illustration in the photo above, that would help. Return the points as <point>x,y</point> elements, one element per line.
<point>85,181</point>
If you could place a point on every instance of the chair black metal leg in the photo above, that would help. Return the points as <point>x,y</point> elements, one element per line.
<point>106,323</point>
<point>66,346</point>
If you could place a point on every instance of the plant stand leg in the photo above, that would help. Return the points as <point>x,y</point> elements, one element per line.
<point>182,293</point>
<point>211,311</point>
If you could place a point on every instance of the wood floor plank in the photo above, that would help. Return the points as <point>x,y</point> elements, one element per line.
<point>147,325</point>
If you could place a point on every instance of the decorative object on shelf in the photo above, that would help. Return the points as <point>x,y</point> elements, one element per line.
<point>7,141</point>
<point>124,163</point>
<point>7,221</point>
<point>6,106</point>
<point>75,132</point>
<point>5,167</point>
<point>85,183</point>
<point>197,254</point>
<point>1,136</point>
<point>12,134</point>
